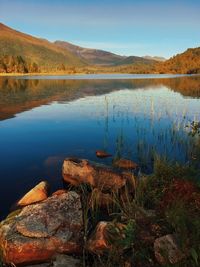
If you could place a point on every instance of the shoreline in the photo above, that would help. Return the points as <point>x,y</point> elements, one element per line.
<point>98,75</point>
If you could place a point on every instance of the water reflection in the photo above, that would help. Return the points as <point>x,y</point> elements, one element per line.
<point>17,95</point>
<point>137,119</point>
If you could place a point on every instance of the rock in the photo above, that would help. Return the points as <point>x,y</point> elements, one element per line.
<point>66,261</point>
<point>78,171</point>
<point>126,164</point>
<point>102,238</point>
<point>98,244</point>
<point>40,231</point>
<point>45,264</point>
<point>102,154</point>
<point>59,192</point>
<point>37,194</point>
<point>61,260</point>
<point>167,250</point>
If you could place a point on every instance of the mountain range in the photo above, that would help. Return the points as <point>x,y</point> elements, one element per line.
<point>20,52</point>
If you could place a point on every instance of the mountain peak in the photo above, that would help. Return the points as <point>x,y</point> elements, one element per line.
<point>156,58</point>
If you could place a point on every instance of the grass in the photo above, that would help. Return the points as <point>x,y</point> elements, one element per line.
<point>177,215</point>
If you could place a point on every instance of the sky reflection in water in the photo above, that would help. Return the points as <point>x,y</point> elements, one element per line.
<point>44,121</point>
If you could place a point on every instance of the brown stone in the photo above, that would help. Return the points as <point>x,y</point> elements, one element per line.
<point>59,192</point>
<point>101,240</point>
<point>102,154</point>
<point>66,261</point>
<point>78,171</point>
<point>98,244</point>
<point>167,250</point>
<point>36,194</point>
<point>42,230</point>
<point>126,164</point>
<point>60,260</point>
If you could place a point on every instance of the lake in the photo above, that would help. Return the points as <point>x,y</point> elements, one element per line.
<point>45,119</point>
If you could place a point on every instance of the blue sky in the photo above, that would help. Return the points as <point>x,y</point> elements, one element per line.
<point>126,27</point>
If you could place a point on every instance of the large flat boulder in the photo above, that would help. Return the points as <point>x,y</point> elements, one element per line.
<point>42,230</point>
<point>78,171</point>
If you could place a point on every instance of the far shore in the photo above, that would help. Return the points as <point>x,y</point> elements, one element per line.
<point>87,74</point>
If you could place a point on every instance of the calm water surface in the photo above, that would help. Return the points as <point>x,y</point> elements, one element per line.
<point>45,119</point>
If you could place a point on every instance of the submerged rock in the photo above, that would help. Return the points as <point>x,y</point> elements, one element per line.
<point>167,250</point>
<point>126,164</point>
<point>36,194</point>
<point>42,230</point>
<point>102,154</point>
<point>78,171</point>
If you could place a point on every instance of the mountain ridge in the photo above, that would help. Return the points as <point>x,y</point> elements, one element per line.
<point>42,52</point>
<point>24,53</point>
<point>91,55</point>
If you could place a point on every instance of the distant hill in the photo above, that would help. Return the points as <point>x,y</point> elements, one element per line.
<point>155,58</point>
<point>187,62</point>
<point>101,57</point>
<point>133,60</point>
<point>19,51</point>
<point>91,56</point>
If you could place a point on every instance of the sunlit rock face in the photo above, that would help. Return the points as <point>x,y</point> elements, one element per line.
<point>42,230</point>
<point>36,194</point>
<point>78,171</point>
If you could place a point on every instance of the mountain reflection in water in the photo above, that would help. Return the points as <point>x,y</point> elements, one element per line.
<point>42,121</point>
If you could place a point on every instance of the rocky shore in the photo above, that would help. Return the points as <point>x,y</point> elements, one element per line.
<point>97,221</point>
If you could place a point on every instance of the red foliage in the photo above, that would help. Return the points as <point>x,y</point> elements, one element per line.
<point>181,190</point>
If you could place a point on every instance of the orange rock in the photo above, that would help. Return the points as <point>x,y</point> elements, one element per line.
<point>99,241</point>
<point>126,164</point>
<point>78,171</point>
<point>42,230</point>
<point>98,244</point>
<point>102,154</point>
<point>37,194</point>
<point>59,192</point>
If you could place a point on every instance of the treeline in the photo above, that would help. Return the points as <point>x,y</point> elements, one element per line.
<point>16,64</point>
<point>185,63</point>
